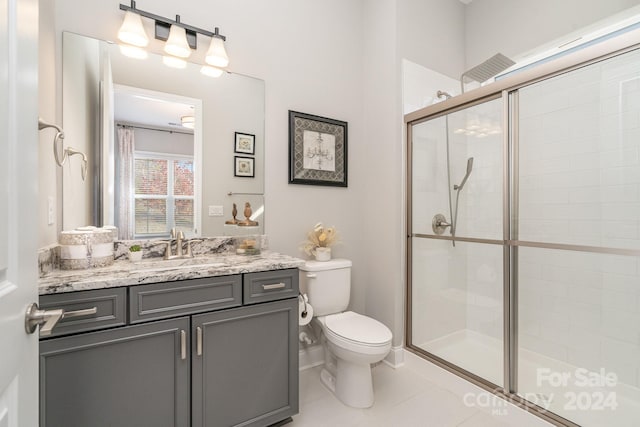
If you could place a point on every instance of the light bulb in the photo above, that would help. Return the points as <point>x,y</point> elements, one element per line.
<point>188,122</point>
<point>217,55</point>
<point>131,31</point>
<point>177,44</point>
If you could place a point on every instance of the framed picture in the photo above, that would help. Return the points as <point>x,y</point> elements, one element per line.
<point>317,150</point>
<point>245,143</point>
<point>244,166</point>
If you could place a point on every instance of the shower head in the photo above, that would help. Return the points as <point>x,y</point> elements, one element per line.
<point>489,68</point>
<point>443,94</point>
<point>464,180</point>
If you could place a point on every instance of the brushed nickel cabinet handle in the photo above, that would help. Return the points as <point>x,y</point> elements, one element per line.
<point>183,345</point>
<point>199,341</point>
<point>273,286</point>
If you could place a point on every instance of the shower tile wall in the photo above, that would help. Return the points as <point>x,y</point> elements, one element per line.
<point>579,165</point>
<point>580,184</point>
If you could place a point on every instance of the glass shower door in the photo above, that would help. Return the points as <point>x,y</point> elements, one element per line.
<point>579,230</point>
<point>456,270</point>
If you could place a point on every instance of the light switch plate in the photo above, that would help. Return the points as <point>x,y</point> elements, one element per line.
<point>51,211</point>
<point>216,211</point>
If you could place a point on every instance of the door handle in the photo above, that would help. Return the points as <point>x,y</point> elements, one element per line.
<point>47,319</point>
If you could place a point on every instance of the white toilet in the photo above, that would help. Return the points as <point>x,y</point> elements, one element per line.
<point>352,342</point>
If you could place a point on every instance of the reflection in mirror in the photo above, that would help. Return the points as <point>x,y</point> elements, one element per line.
<point>157,163</point>
<point>95,77</point>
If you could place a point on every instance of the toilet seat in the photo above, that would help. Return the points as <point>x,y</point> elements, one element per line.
<point>355,329</point>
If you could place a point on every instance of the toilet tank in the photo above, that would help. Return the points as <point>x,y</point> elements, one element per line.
<point>327,284</point>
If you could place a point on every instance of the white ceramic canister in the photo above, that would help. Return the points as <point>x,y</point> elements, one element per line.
<point>81,249</point>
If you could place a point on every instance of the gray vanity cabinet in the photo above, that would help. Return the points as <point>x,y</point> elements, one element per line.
<point>128,376</point>
<point>245,365</point>
<point>217,352</point>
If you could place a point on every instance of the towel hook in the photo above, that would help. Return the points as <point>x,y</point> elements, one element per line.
<point>58,148</point>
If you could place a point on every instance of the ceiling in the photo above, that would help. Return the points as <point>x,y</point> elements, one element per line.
<point>150,111</point>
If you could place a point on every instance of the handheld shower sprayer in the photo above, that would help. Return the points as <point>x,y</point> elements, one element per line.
<point>458,189</point>
<point>439,223</point>
<point>464,180</point>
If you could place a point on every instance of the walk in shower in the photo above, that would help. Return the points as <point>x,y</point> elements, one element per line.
<point>523,217</point>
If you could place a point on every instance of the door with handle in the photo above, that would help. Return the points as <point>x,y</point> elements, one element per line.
<point>18,210</point>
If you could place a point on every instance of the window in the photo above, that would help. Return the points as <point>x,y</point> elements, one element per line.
<point>163,194</point>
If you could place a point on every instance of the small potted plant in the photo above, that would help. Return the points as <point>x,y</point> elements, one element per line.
<point>319,242</point>
<point>135,253</point>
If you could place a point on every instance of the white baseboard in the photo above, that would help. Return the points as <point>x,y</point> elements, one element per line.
<point>395,358</point>
<point>310,356</point>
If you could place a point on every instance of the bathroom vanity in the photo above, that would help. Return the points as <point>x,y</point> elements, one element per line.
<point>173,345</point>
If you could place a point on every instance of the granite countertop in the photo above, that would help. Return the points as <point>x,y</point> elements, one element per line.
<point>126,273</point>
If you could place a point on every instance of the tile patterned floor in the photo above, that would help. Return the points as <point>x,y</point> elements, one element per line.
<point>404,398</point>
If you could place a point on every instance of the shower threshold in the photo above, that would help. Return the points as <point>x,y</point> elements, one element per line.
<point>581,397</point>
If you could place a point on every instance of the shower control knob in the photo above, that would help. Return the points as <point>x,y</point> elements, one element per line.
<point>439,224</point>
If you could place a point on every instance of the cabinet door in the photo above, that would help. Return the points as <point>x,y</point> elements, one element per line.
<point>245,365</point>
<point>130,376</point>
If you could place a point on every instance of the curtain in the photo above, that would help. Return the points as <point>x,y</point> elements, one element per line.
<point>125,183</point>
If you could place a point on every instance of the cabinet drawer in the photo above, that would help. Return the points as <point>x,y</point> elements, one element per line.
<point>110,307</point>
<point>270,285</point>
<point>171,299</point>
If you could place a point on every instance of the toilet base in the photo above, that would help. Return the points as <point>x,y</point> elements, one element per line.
<point>352,384</point>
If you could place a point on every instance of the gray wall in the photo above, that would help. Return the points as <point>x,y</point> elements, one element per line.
<point>339,59</point>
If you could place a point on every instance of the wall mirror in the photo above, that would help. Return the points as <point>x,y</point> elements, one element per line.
<point>182,126</point>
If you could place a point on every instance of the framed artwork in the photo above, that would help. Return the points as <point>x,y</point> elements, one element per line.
<point>244,166</point>
<point>245,143</point>
<point>317,150</point>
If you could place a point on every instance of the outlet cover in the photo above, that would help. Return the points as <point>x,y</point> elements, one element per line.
<point>216,211</point>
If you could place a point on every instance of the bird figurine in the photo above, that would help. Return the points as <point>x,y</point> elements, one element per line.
<point>247,216</point>
<point>234,212</point>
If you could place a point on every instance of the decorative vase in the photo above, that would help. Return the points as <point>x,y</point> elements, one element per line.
<point>135,256</point>
<point>323,254</point>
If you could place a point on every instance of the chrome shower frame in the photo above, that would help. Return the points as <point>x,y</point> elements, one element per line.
<point>507,90</point>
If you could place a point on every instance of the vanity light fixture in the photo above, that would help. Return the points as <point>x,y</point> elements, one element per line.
<point>180,38</point>
<point>217,55</point>
<point>188,122</point>
<point>131,31</point>
<point>177,44</point>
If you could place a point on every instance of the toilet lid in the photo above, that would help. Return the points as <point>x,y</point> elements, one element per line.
<point>359,328</point>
